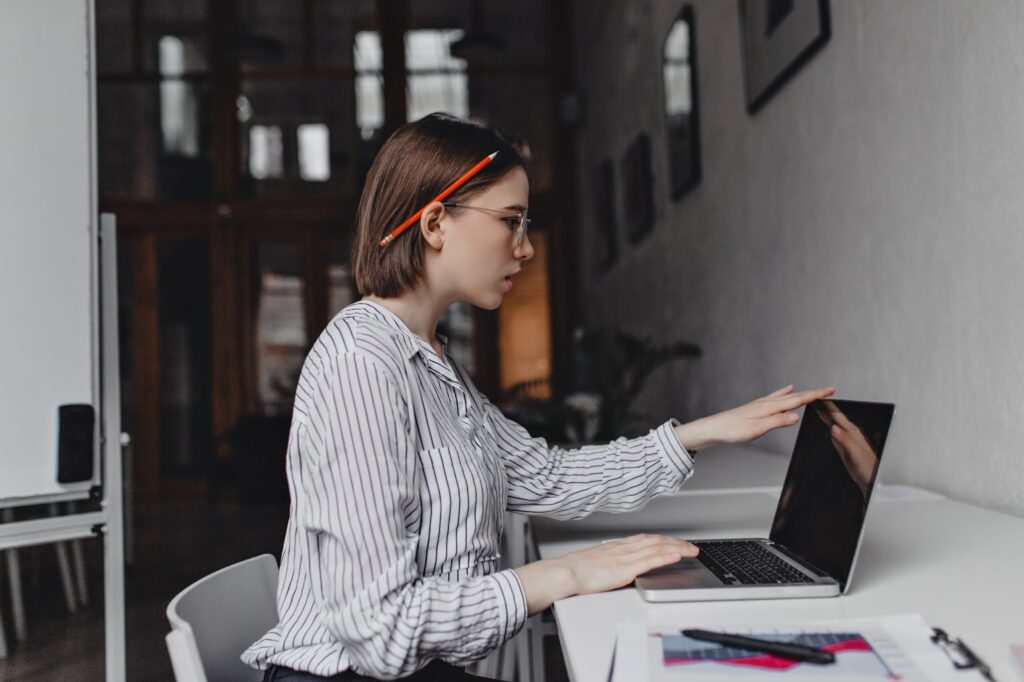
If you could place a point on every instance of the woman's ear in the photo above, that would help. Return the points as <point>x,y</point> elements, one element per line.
<point>430,224</point>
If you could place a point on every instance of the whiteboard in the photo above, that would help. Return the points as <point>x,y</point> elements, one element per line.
<point>48,341</point>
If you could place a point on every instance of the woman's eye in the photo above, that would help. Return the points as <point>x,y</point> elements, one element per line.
<point>513,223</point>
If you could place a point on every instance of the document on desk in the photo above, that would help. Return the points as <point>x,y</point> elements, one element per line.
<point>884,648</point>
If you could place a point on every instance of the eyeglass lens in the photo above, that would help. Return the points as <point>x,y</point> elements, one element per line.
<point>521,228</point>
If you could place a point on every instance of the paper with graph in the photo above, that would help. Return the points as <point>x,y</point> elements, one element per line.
<point>885,648</point>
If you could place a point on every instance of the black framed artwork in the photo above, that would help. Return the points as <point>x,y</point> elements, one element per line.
<point>637,188</point>
<point>779,36</point>
<point>607,221</point>
<point>679,77</point>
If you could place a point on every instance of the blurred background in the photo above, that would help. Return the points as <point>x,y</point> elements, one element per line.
<point>707,229</point>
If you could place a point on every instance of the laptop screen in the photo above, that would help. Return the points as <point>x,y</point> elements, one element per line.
<point>825,497</point>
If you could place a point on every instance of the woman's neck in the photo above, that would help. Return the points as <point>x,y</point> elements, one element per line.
<point>418,310</point>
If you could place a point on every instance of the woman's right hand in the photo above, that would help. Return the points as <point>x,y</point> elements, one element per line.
<point>616,563</point>
<point>607,566</point>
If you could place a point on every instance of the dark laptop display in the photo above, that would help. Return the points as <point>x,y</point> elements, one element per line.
<point>825,497</point>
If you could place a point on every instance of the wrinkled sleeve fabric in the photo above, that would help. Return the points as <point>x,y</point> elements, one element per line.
<point>359,487</point>
<point>619,476</point>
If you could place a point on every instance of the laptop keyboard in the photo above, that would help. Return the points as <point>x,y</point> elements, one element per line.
<point>747,563</point>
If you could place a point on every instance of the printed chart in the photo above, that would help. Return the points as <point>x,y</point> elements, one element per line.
<point>854,655</point>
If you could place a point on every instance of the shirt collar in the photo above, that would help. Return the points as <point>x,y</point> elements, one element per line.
<point>411,343</point>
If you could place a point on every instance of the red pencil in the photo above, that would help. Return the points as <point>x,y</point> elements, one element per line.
<point>440,197</point>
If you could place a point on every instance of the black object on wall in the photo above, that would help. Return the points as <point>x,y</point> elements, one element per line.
<point>638,192</point>
<point>779,36</point>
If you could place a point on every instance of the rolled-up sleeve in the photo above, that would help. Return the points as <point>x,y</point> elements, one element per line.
<point>619,476</point>
<point>358,489</point>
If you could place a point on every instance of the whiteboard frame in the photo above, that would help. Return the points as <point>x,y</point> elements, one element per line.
<point>106,399</point>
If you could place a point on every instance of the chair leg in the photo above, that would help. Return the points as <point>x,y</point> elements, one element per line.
<point>81,579</point>
<point>65,576</point>
<point>13,562</point>
<point>78,564</point>
<point>64,564</point>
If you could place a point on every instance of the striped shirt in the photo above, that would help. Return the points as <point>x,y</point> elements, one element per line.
<point>400,472</point>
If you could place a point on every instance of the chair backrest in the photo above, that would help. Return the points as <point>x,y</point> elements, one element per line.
<point>215,619</point>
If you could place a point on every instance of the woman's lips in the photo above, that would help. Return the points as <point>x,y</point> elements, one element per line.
<point>508,284</point>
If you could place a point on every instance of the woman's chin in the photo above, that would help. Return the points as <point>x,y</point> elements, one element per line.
<point>489,302</point>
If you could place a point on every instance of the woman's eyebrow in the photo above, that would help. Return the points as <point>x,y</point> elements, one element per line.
<point>515,207</point>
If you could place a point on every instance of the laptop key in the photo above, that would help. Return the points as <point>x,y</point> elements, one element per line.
<point>717,569</point>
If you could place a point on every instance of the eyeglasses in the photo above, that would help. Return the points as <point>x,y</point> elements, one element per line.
<point>517,221</point>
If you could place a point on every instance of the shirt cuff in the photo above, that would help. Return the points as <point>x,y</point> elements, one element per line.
<point>672,450</point>
<point>512,597</point>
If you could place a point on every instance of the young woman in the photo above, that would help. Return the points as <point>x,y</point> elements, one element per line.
<point>400,471</point>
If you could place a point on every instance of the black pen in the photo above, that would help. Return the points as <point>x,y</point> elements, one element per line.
<point>796,652</point>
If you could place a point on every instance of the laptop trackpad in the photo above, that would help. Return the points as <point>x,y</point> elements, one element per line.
<point>684,574</point>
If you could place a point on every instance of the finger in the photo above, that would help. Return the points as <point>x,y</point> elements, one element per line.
<point>639,544</point>
<point>781,421</point>
<point>782,391</point>
<point>791,402</point>
<point>818,393</point>
<point>654,561</point>
<point>658,543</point>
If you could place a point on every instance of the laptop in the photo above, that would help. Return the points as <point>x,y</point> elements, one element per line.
<point>818,523</point>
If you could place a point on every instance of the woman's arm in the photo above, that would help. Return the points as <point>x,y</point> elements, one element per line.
<point>571,483</point>
<point>625,474</point>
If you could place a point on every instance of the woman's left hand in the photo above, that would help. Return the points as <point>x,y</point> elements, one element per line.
<point>750,421</point>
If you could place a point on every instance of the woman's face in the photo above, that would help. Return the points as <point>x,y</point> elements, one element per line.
<point>479,256</point>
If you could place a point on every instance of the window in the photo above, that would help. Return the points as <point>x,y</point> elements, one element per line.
<point>369,63</point>
<point>314,152</point>
<point>179,108</point>
<point>266,152</point>
<point>436,81</point>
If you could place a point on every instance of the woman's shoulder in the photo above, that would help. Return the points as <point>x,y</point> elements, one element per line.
<point>358,332</point>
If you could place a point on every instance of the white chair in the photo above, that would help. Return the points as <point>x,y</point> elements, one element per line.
<point>522,657</point>
<point>215,619</point>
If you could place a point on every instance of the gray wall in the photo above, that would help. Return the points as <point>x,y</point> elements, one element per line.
<point>864,229</point>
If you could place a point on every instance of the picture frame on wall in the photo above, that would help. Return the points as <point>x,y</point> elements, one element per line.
<point>605,216</point>
<point>637,188</point>
<point>779,37</point>
<point>679,96</point>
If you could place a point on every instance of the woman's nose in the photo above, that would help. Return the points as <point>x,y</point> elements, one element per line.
<point>525,249</point>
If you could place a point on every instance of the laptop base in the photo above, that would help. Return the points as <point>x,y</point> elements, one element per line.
<point>691,580</point>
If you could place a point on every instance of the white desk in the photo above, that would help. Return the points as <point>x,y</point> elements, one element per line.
<point>958,565</point>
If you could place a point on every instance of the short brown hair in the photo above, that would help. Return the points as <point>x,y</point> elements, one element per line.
<point>415,164</point>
